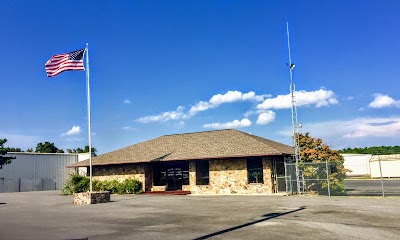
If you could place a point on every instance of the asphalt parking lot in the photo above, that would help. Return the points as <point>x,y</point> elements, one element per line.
<point>372,187</point>
<point>48,215</point>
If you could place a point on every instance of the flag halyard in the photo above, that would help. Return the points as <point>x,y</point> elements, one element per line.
<point>65,62</point>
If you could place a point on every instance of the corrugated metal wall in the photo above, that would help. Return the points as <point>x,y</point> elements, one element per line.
<point>36,172</point>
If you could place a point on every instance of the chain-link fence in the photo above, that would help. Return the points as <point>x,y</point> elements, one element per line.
<point>373,175</point>
<point>307,178</point>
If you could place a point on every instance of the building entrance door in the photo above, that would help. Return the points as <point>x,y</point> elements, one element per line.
<point>174,178</point>
<point>171,174</point>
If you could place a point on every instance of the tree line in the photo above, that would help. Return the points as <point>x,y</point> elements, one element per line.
<point>42,147</point>
<point>382,150</point>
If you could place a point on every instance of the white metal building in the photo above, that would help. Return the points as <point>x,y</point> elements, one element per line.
<point>357,163</point>
<point>373,165</point>
<point>389,165</point>
<point>37,171</point>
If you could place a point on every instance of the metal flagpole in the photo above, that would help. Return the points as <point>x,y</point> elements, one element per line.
<point>295,125</point>
<point>89,120</point>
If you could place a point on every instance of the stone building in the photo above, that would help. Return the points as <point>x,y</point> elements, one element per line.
<point>212,162</point>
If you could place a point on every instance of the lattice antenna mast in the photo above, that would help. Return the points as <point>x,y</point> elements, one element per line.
<point>295,124</point>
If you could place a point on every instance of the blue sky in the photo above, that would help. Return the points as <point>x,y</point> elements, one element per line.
<point>166,67</point>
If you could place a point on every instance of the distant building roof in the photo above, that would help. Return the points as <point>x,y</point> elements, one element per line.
<point>216,144</point>
<point>389,157</point>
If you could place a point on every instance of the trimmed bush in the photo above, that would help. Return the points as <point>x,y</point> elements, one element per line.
<point>78,183</point>
<point>111,186</point>
<point>130,186</point>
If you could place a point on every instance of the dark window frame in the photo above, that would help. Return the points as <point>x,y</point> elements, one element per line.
<point>255,173</point>
<point>202,172</point>
<point>159,174</point>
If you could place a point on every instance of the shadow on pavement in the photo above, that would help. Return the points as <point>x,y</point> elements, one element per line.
<point>265,218</point>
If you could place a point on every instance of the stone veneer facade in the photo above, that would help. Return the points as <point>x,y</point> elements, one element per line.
<point>230,177</point>
<point>225,177</point>
<point>121,172</point>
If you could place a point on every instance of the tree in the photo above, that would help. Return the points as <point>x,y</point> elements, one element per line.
<point>86,150</point>
<point>46,147</point>
<point>3,150</point>
<point>314,150</point>
<point>80,150</point>
<point>373,150</point>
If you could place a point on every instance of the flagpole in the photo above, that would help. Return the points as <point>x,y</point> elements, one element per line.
<point>89,120</point>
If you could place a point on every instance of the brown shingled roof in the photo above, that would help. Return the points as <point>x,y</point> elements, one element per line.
<point>190,146</point>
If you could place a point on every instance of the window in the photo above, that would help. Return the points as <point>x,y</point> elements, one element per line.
<point>255,170</point>
<point>202,172</point>
<point>159,174</point>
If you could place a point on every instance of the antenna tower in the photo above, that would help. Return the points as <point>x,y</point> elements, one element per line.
<point>295,124</point>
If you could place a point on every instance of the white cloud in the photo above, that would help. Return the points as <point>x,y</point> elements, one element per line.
<point>166,116</point>
<point>234,124</point>
<point>129,129</point>
<point>228,97</point>
<point>251,96</point>
<point>374,127</point>
<point>127,101</point>
<point>199,107</point>
<point>213,102</point>
<point>382,101</point>
<point>265,118</point>
<point>75,130</point>
<point>319,98</point>
<point>354,132</point>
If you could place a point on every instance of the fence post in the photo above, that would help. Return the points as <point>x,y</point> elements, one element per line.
<point>380,170</point>
<point>286,179</point>
<point>327,178</point>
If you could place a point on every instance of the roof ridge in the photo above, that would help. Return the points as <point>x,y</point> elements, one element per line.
<point>216,130</point>
<point>262,139</point>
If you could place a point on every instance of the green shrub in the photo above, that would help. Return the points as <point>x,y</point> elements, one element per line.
<point>111,186</point>
<point>77,183</point>
<point>130,186</point>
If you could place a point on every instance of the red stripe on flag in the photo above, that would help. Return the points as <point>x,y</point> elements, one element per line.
<point>63,62</point>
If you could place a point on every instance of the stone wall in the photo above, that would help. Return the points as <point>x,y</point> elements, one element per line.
<point>159,188</point>
<point>86,198</point>
<point>230,177</point>
<point>121,172</point>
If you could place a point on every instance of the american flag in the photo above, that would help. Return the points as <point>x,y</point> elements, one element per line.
<point>65,62</point>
